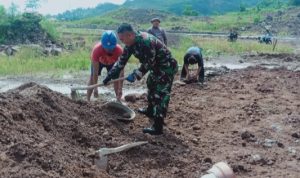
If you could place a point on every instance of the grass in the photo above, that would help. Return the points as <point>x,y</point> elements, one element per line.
<point>31,60</point>
<point>216,46</point>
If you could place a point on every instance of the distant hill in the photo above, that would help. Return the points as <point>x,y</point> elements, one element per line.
<point>203,7</point>
<point>178,7</point>
<point>111,20</point>
<point>82,13</point>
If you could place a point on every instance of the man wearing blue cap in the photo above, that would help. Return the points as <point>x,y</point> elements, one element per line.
<point>104,55</point>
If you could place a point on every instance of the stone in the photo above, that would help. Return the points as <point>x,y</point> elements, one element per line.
<point>269,143</point>
<point>131,98</point>
<point>296,135</point>
<point>292,150</point>
<point>246,135</point>
<point>208,160</point>
<point>196,127</point>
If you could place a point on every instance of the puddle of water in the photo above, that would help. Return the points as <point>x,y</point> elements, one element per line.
<point>106,92</point>
<point>6,85</point>
<point>229,65</point>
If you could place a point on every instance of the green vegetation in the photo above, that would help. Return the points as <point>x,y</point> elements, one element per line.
<point>202,7</point>
<point>295,2</point>
<point>81,13</point>
<point>50,29</point>
<point>177,7</point>
<point>18,28</point>
<point>188,11</point>
<point>215,47</point>
<point>214,23</point>
<point>31,60</point>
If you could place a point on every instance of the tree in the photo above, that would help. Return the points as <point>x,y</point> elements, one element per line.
<point>242,7</point>
<point>295,2</point>
<point>188,11</point>
<point>3,16</point>
<point>2,11</point>
<point>32,5</point>
<point>13,10</point>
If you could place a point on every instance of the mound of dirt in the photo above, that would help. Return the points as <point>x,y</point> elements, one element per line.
<point>45,134</point>
<point>280,57</point>
<point>248,118</point>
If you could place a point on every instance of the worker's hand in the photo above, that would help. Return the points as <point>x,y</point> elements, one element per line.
<point>188,77</point>
<point>89,94</point>
<point>106,80</point>
<point>131,77</point>
<point>96,94</point>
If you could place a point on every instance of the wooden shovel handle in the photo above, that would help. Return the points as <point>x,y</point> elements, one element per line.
<point>96,85</point>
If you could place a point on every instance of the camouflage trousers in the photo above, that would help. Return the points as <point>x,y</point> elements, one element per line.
<point>159,92</point>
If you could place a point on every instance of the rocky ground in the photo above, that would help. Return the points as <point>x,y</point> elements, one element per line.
<point>249,118</point>
<point>285,22</point>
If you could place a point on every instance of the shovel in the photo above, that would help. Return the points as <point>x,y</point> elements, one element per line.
<point>102,159</point>
<point>274,44</point>
<point>74,89</point>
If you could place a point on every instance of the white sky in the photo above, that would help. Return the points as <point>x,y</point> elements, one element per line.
<point>57,6</point>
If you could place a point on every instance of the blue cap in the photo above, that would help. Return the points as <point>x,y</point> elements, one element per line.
<point>109,40</point>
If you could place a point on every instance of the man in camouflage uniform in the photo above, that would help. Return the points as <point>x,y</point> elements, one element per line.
<point>154,57</point>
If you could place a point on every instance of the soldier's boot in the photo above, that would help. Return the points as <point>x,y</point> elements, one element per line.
<point>157,127</point>
<point>146,111</point>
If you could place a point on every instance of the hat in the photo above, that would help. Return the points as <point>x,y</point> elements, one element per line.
<point>155,19</point>
<point>109,40</point>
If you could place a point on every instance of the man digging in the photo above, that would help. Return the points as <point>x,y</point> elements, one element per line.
<point>104,55</point>
<point>154,57</point>
<point>193,56</point>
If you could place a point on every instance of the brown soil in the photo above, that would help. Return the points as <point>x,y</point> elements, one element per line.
<point>280,57</point>
<point>249,118</point>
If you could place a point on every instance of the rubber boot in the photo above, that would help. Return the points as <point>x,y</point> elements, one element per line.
<point>145,111</point>
<point>157,127</point>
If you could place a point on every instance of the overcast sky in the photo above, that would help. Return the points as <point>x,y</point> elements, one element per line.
<point>57,6</point>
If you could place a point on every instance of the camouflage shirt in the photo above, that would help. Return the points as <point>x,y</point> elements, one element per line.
<point>153,55</point>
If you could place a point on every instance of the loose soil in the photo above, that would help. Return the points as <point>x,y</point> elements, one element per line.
<point>249,118</point>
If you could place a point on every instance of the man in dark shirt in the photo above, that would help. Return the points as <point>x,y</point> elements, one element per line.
<point>156,59</point>
<point>157,31</point>
<point>193,56</point>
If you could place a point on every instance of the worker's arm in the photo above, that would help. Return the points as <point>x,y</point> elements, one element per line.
<point>198,72</point>
<point>186,67</point>
<point>199,62</point>
<point>165,37</point>
<point>93,78</point>
<point>114,73</point>
<point>150,31</point>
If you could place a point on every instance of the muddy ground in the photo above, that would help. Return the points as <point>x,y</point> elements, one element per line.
<point>249,118</point>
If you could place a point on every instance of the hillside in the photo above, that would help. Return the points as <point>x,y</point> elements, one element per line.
<point>282,22</point>
<point>178,7</point>
<point>112,19</point>
<point>203,7</point>
<point>81,13</point>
